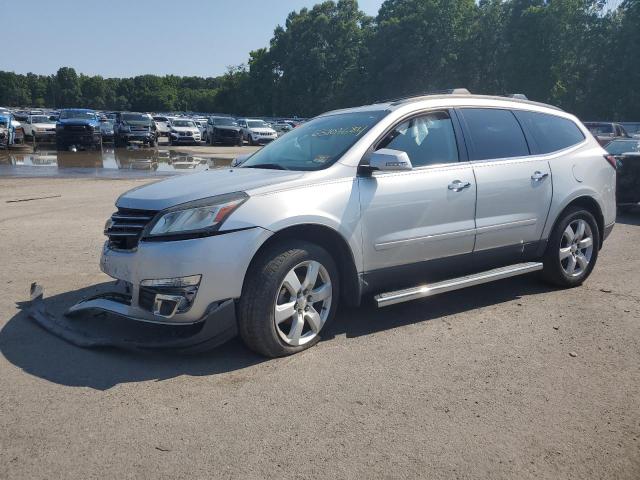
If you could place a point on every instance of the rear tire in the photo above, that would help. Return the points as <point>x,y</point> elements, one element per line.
<point>572,250</point>
<point>287,278</point>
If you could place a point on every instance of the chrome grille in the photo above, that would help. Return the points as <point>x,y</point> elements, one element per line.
<point>126,226</point>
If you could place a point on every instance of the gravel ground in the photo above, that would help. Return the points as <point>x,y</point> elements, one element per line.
<point>507,380</point>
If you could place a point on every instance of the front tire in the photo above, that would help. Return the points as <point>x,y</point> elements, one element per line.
<point>290,296</point>
<point>572,250</point>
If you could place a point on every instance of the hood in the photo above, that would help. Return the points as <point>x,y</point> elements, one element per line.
<point>227,127</point>
<point>182,189</point>
<point>78,121</point>
<point>262,130</point>
<point>185,129</point>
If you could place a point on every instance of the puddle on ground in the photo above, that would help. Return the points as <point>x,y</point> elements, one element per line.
<point>44,160</point>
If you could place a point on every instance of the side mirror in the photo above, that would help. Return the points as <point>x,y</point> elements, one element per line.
<point>239,160</point>
<point>388,160</point>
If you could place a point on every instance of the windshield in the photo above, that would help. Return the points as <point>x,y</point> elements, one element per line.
<point>257,124</point>
<point>77,114</point>
<point>224,121</point>
<point>315,145</point>
<point>41,119</point>
<point>618,147</point>
<point>183,123</point>
<point>631,128</point>
<point>161,119</point>
<point>600,128</point>
<point>136,118</point>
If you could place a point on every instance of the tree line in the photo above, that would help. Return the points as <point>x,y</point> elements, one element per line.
<point>581,55</point>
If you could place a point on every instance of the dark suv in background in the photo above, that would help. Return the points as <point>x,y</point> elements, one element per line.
<point>134,127</point>
<point>223,130</point>
<point>78,128</point>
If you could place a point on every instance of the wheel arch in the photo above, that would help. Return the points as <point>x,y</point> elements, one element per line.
<point>330,240</point>
<point>591,205</point>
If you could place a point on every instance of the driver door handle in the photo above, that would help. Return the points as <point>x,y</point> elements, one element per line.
<point>538,176</point>
<point>458,186</point>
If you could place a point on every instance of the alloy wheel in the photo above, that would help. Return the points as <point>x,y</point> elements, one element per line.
<point>303,303</point>
<point>576,248</point>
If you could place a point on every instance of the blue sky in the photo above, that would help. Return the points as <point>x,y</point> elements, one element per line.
<point>121,38</point>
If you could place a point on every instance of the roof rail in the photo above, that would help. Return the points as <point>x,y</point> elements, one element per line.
<point>518,96</point>
<point>418,96</point>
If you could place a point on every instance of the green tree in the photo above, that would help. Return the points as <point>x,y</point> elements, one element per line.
<point>68,92</point>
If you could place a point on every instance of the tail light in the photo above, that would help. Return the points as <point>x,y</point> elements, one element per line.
<point>612,160</point>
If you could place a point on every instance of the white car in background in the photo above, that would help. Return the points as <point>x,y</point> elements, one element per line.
<point>257,132</point>
<point>162,125</point>
<point>184,130</point>
<point>201,123</point>
<point>39,127</point>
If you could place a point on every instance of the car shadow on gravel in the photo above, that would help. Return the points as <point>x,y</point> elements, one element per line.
<point>42,354</point>
<point>367,319</point>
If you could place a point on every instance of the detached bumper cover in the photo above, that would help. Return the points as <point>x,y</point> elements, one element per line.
<point>85,327</point>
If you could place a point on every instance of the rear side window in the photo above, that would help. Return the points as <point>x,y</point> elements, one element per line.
<point>493,133</point>
<point>550,133</point>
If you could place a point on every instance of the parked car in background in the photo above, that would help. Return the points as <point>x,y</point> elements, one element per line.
<point>257,132</point>
<point>400,200</point>
<point>18,132</point>
<point>281,128</point>
<point>202,127</point>
<point>224,130</point>
<point>627,155</point>
<point>134,127</point>
<point>183,130</point>
<point>604,132</point>
<point>40,127</point>
<point>106,130</point>
<point>7,130</point>
<point>162,125</point>
<point>632,128</point>
<point>78,128</point>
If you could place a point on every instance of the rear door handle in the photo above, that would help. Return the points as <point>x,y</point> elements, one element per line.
<point>458,186</point>
<point>538,176</point>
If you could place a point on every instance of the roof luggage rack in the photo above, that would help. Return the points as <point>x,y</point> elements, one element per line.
<point>418,96</point>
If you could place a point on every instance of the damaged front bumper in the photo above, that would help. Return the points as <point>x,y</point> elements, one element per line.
<point>103,321</point>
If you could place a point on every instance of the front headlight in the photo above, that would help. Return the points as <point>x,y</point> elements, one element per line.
<point>126,128</point>
<point>195,219</point>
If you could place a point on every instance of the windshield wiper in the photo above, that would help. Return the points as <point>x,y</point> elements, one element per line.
<point>270,166</point>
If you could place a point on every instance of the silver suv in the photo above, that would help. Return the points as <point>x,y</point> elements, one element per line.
<point>398,200</point>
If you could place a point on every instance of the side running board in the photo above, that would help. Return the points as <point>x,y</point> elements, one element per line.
<point>413,293</point>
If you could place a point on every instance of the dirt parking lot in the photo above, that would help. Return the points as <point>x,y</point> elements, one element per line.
<point>507,380</point>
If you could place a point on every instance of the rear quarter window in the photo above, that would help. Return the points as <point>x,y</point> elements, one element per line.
<point>493,134</point>
<point>549,132</point>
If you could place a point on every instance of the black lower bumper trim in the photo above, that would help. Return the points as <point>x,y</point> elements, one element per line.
<point>107,330</point>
